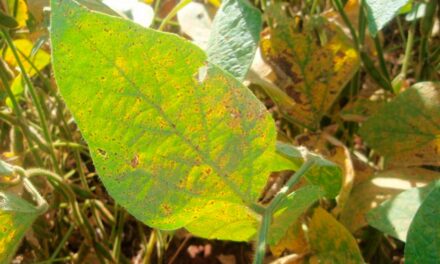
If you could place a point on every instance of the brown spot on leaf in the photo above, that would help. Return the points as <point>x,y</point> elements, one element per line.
<point>135,161</point>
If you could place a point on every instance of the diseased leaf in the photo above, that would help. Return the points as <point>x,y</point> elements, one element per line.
<point>424,233</point>
<point>323,173</point>
<point>395,215</point>
<point>171,136</point>
<point>234,37</point>
<point>294,240</point>
<point>382,186</point>
<point>380,12</point>
<point>243,224</point>
<point>330,241</point>
<point>407,129</point>
<point>16,217</point>
<point>316,72</point>
<point>290,209</point>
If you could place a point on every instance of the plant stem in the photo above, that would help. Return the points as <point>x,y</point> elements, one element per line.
<point>408,49</point>
<point>260,250</point>
<point>35,99</point>
<point>173,12</point>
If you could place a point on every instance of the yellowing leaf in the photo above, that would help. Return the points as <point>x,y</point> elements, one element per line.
<point>16,216</point>
<point>20,11</point>
<point>293,241</point>
<point>407,129</point>
<point>40,60</point>
<point>316,72</point>
<point>173,138</point>
<point>330,241</point>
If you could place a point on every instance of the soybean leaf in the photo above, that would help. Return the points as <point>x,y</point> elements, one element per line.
<point>234,37</point>
<point>379,188</point>
<point>243,224</point>
<point>407,129</point>
<point>395,215</point>
<point>16,217</point>
<point>380,12</point>
<point>323,173</point>
<point>171,136</point>
<point>422,242</point>
<point>317,68</point>
<point>331,242</point>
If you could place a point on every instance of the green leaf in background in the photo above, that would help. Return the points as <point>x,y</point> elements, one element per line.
<point>323,173</point>
<point>290,209</point>
<point>234,37</point>
<point>331,241</point>
<point>394,216</point>
<point>172,138</point>
<point>7,21</point>
<point>380,12</point>
<point>16,217</point>
<point>407,129</point>
<point>379,188</point>
<point>422,243</point>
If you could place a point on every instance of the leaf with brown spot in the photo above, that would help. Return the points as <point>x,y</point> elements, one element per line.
<point>330,241</point>
<point>316,71</point>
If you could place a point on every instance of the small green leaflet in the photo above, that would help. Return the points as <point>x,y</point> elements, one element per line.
<point>234,37</point>
<point>380,12</point>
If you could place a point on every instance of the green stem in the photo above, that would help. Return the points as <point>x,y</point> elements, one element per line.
<point>42,205</point>
<point>347,22</point>
<point>408,49</point>
<point>260,251</point>
<point>35,99</point>
<point>266,220</point>
<point>173,12</point>
<point>19,113</point>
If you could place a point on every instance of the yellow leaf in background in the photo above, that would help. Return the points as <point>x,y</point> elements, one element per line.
<point>330,241</point>
<point>317,68</point>
<point>294,242</point>
<point>40,60</point>
<point>19,9</point>
<point>16,216</point>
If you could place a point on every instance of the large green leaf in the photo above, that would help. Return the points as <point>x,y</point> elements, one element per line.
<point>234,37</point>
<point>16,217</point>
<point>380,12</point>
<point>330,241</point>
<point>394,216</point>
<point>407,129</point>
<point>172,137</point>
<point>424,233</point>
